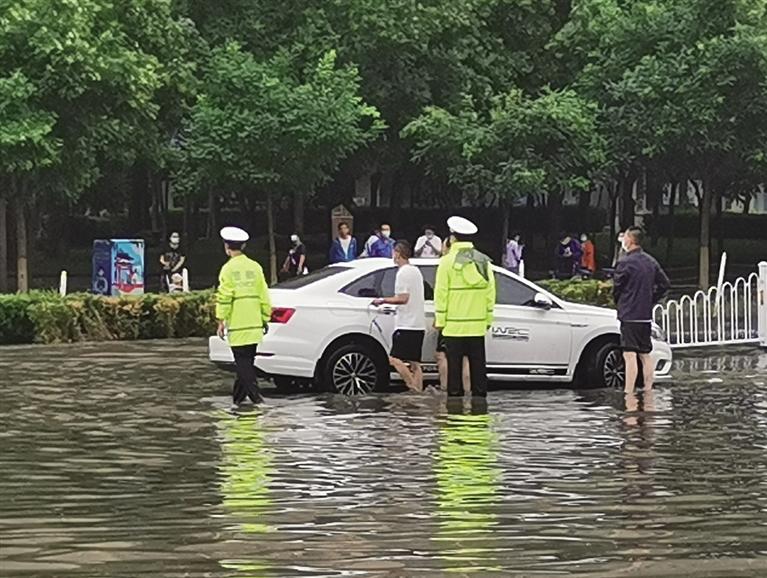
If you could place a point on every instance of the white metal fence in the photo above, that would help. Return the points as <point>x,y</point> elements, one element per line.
<point>731,313</point>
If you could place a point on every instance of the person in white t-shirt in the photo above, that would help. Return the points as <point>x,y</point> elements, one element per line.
<point>410,324</point>
<point>428,245</point>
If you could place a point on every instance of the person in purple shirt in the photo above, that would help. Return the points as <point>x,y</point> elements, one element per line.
<point>513,256</point>
<point>568,255</point>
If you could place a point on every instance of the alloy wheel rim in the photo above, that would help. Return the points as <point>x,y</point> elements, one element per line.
<point>614,370</point>
<point>354,374</point>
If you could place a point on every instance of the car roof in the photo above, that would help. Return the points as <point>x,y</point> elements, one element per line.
<point>374,263</point>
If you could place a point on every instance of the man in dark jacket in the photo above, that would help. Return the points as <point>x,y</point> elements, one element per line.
<point>639,283</point>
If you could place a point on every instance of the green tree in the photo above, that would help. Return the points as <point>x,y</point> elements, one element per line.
<point>681,87</point>
<point>79,82</point>
<point>522,145</point>
<point>260,129</point>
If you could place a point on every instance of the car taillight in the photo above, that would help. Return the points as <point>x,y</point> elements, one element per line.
<point>281,314</point>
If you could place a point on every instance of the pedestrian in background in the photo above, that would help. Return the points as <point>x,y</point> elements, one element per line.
<point>410,323</point>
<point>380,243</point>
<point>344,247</point>
<point>428,245</point>
<point>295,262</point>
<point>639,283</point>
<point>568,256</point>
<point>172,262</point>
<point>513,256</point>
<point>243,311</point>
<point>464,302</point>
<point>589,258</point>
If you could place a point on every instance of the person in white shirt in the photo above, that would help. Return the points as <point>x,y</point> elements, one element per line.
<point>410,324</point>
<point>428,245</point>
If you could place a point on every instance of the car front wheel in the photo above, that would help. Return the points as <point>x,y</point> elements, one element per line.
<point>607,368</point>
<point>354,369</point>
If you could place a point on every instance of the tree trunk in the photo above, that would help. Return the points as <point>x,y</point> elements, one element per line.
<point>746,204</point>
<point>613,192</point>
<point>213,210</point>
<point>705,236</point>
<point>555,220</point>
<point>22,272</point>
<point>188,221</point>
<point>3,245</point>
<point>627,202</point>
<point>138,206</point>
<point>673,193</point>
<point>505,207</point>
<point>298,213</point>
<point>270,233</point>
<point>719,226</point>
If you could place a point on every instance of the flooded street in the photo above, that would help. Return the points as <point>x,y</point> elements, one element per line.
<point>124,460</point>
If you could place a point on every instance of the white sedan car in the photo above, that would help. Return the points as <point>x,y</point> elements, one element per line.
<point>325,331</point>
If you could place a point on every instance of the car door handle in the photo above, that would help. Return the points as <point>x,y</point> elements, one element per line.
<point>387,310</point>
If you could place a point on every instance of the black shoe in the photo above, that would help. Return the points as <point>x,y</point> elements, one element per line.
<point>255,398</point>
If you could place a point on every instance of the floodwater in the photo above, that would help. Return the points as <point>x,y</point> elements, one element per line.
<point>124,460</point>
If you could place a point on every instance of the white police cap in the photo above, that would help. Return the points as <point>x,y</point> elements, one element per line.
<point>461,226</point>
<point>234,234</point>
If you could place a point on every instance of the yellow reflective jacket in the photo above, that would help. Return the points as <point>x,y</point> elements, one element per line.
<point>242,301</point>
<point>464,292</point>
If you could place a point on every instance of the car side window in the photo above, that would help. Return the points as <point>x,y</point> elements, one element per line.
<point>367,286</point>
<point>429,273</point>
<point>509,291</point>
<point>388,280</point>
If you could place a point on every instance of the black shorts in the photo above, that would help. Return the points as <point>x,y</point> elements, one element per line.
<point>406,344</point>
<point>441,345</point>
<point>636,336</point>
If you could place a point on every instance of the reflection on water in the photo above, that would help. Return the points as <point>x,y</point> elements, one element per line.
<point>467,484</point>
<point>244,472</point>
<point>122,460</point>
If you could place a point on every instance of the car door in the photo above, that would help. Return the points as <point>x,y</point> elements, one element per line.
<point>429,273</point>
<point>368,287</point>
<point>526,339</point>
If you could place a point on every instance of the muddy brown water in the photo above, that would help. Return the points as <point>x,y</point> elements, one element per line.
<point>124,460</point>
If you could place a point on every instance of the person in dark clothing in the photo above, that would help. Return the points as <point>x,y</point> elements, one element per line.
<point>568,256</point>
<point>639,283</point>
<point>295,262</point>
<point>172,262</point>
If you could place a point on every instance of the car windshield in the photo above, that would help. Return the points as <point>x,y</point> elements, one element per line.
<point>314,276</point>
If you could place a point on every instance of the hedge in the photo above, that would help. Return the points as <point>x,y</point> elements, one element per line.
<point>588,291</point>
<point>46,317</point>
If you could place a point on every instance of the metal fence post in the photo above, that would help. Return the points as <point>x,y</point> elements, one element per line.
<point>762,304</point>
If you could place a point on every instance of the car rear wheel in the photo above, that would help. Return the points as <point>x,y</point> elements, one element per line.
<point>354,369</point>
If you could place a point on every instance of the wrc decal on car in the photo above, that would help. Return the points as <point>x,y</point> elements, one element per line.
<point>510,333</point>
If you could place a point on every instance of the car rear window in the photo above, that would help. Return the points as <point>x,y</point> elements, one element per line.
<point>313,277</point>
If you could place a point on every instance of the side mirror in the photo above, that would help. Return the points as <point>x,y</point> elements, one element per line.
<point>542,301</point>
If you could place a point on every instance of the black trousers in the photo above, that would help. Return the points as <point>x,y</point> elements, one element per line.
<point>456,349</point>
<point>245,385</point>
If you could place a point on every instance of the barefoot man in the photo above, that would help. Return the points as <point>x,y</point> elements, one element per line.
<point>410,325</point>
<point>638,284</point>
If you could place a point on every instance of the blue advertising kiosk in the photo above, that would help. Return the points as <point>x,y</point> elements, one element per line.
<point>118,267</point>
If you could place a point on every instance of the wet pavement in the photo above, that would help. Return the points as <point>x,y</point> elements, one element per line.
<point>123,460</point>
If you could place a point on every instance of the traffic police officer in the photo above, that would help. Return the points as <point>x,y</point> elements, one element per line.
<point>243,311</point>
<point>464,299</point>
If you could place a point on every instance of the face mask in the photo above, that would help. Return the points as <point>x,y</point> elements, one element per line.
<point>386,233</point>
<point>624,244</point>
<point>294,238</point>
<point>584,239</point>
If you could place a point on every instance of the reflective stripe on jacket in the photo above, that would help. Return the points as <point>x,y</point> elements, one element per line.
<point>242,301</point>
<point>464,292</point>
